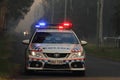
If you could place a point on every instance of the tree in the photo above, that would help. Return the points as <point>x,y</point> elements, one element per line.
<point>13,10</point>
<point>18,8</point>
<point>1,1</point>
<point>3,11</point>
<point>117,19</point>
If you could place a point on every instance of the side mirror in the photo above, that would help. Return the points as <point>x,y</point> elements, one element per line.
<point>83,43</point>
<point>26,42</point>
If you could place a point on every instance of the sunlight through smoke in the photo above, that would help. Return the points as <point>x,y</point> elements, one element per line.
<point>35,13</point>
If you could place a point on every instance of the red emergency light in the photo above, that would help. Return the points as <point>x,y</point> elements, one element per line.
<point>65,25</point>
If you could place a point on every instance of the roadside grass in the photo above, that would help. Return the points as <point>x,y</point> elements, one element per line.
<point>104,52</point>
<point>6,51</point>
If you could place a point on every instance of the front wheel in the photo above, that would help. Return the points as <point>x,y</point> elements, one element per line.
<point>26,71</point>
<point>80,73</point>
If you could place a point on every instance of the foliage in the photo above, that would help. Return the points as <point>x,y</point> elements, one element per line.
<point>117,18</point>
<point>1,1</point>
<point>104,52</point>
<point>79,12</point>
<point>18,8</point>
<point>6,67</point>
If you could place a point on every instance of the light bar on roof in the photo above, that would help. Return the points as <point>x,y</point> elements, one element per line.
<point>43,25</point>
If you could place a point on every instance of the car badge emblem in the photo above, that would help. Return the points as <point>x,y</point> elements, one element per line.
<point>56,55</point>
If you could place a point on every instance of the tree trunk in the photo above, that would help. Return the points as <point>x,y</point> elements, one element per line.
<point>3,11</point>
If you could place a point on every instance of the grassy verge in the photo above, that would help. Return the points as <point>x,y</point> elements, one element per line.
<point>6,51</point>
<point>104,52</point>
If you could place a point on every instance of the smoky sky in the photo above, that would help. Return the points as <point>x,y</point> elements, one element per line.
<point>35,13</point>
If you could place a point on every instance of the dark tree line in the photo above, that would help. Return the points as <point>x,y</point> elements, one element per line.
<point>79,12</point>
<point>85,11</point>
<point>18,8</point>
<point>15,10</point>
<point>117,19</point>
<point>1,1</point>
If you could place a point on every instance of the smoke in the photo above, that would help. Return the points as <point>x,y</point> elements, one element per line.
<point>35,13</point>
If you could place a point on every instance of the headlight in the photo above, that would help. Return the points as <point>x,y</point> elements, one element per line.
<point>76,55</point>
<point>36,54</point>
<point>33,53</point>
<point>77,52</point>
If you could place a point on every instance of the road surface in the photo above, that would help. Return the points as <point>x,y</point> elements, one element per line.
<point>97,69</point>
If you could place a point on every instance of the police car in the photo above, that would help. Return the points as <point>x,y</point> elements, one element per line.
<point>55,48</point>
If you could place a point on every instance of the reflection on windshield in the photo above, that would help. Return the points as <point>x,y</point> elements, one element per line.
<point>55,37</point>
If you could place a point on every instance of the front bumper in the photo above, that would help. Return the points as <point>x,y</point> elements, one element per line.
<point>55,64</point>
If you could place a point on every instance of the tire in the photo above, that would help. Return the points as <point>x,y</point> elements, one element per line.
<point>28,71</point>
<point>79,73</point>
<point>82,73</point>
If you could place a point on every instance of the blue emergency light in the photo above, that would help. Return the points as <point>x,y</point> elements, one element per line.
<point>41,25</point>
<point>37,26</point>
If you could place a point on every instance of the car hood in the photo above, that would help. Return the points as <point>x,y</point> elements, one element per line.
<point>54,48</point>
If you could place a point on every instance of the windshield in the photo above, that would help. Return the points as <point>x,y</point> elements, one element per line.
<point>55,37</point>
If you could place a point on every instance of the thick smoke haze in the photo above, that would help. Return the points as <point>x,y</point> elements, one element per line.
<point>35,13</point>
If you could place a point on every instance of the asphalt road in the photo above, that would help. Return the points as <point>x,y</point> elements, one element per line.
<point>97,69</point>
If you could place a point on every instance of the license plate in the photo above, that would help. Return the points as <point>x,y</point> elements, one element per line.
<point>56,62</point>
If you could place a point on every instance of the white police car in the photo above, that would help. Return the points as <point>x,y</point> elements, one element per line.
<point>55,49</point>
